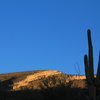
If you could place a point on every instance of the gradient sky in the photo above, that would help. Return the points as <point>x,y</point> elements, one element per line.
<point>47,34</point>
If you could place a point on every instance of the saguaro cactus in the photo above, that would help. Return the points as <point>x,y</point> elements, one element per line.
<point>92,80</point>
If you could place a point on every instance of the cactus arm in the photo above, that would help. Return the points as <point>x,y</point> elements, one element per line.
<point>87,74</point>
<point>98,70</point>
<point>90,55</point>
<point>86,66</point>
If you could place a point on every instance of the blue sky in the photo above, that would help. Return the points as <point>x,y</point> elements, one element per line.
<point>47,34</point>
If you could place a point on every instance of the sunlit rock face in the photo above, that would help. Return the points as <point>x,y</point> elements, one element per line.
<point>32,79</point>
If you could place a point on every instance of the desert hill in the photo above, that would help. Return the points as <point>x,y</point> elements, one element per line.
<point>28,79</point>
<point>41,85</point>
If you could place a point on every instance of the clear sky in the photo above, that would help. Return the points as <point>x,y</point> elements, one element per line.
<point>47,34</point>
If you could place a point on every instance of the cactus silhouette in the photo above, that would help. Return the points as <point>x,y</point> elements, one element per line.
<point>93,81</point>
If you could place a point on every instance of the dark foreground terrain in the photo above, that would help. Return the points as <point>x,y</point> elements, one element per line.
<point>52,87</point>
<point>58,93</point>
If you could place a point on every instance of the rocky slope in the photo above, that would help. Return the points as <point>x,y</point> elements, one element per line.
<point>39,80</point>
